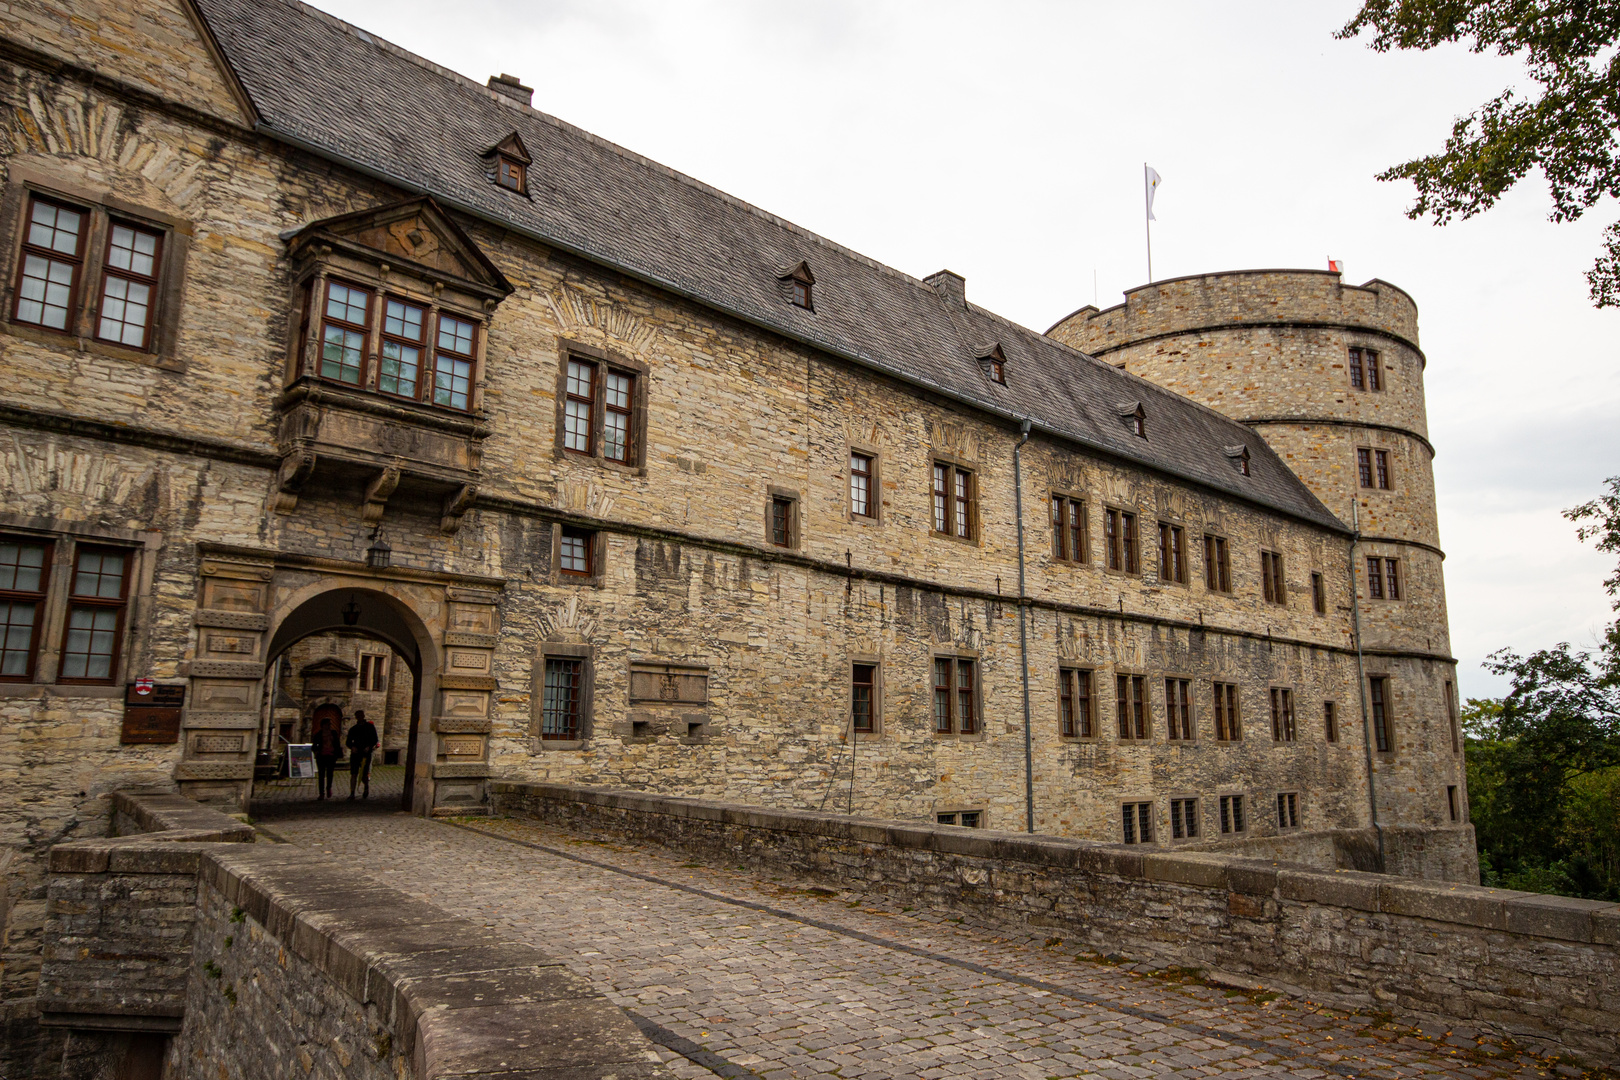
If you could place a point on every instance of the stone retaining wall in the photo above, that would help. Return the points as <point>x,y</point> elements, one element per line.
<point>1544,970</point>
<point>267,961</point>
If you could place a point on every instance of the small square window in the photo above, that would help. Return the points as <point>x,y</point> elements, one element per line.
<point>801,294</point>
<point>510,174</point>
<point>1287,810</point>
<point>1183,819</point>
<point>1232,814</point>
<point>576,552</point>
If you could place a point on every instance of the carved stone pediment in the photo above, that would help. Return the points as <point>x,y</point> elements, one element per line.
<point>415,237</point>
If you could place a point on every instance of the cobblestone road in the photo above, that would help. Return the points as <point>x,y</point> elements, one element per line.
<point>735,975</point>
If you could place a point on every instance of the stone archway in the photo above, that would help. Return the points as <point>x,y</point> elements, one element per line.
<point>252,605</point>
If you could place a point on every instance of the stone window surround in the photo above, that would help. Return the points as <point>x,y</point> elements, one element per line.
<point>1389,459</point>
<point>959,807</point>
<point>876,490</point>
<point>1192,705</point>
<point>1135,800</point>
<point>978,696</point>
<point>1147,706</point>
<point>1203,555</point>
<point>596,578</point>
<point>1096,721</point>
<point>1283,735</point>
<point>975,537</point>
<point>27,179</point>
<point>1102,561</point>
<point>637,466</point>
<point>66,538</point>
<point>1248,811</point>
<point>795,517</point>
<point>587,694</point>
<point>879,732</point>
<point>1299,812</point>
<point>1197,800</point>
<point>1389,715</point>
<point>1085,524</point>
<point>1186,550</point>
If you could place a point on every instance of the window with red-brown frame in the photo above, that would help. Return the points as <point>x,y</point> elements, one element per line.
<point>98,598</point>
<point>25,572</point>
<point>50,272</point>
<point>345,326</point>
<point>129,285</point>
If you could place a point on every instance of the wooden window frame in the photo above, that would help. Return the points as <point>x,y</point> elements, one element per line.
<point>76,601</point>
<point>153,282</point>
<point>1290,812</point>
<point>601,364</point>
<point>874,484</point>
<point>595,556</point>
<point>510,168</point>
<point>422,347</point>
<point>1233,811</point>
<point>1069,543</point>
<point>1172,553</point>
<point>1137,821</point>
<point>1384,578</point>
<point>1122,539</point>
<point>1381,714</point>
<point>959,818</point>
<point>960,701</point>
<point>774,497</point>
<point>1133,717</point>
<point>1283,727</point>
<point>1227,711</point>
<point>1375,470</point>
<point>1365,370</point>
<point>958,502</point>
<point>77,260</point>
<point>430,392</point>
<point>1180,710</point>
<point>1077,704</point>
<point>1184,819</point>
<point>373,668</point>
<point>41,599</point>
<point>322,320</point>
<point>1274,585</point>
<point>875,717</point>
<point>36,180</point>
<point>585,655</point>
<point>1217,564</point>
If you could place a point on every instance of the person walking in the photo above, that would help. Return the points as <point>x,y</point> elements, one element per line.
<point>328,748</point>
<point>362,741</point>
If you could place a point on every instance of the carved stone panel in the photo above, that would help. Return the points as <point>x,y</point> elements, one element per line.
<point>470,704</point>
<point>225,594</point>
<point>463,746</point>
<point>673,684</point>
<point>234,695</point>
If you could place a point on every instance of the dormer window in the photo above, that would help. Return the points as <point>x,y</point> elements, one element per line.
<point>1239,456</point>
<point>994,363</point>
<point>798,283</point>
<point>1135,417</point>
<point>509,164</point>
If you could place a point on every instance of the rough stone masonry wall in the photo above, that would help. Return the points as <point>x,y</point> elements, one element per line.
<point>272,962</point>
<point>1543,969</point>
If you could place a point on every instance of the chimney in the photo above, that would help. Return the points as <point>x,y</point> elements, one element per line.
<point>511,86</point>
<point>950,286</point>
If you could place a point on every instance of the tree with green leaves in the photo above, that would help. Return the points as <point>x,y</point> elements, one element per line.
<point>1567,129</point>
<point>1544,761</point>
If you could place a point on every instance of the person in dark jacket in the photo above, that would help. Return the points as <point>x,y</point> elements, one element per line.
<point>328,742</point>
<point>362,741</point>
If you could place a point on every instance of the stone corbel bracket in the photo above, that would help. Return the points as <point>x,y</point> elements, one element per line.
<point>295,470</point>
<point>456,505</point>
<point>376,501</point>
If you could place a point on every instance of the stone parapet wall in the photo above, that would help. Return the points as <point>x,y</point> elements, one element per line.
<point>285,963</point>
<point>1544,970</point>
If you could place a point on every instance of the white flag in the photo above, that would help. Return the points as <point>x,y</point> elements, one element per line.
<point>1151,177</point>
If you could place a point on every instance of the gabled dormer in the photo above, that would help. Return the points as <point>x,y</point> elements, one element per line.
<point>508,164</point>
<point>798,285</point>
<point>386,366</point>
<point>994,363</point>
<point>1239,457</point>
<point>1134,416</point>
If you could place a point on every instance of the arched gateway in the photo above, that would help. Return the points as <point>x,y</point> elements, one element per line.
<point>252,605</point>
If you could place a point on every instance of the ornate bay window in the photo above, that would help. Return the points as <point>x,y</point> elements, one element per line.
<point>386,370</point>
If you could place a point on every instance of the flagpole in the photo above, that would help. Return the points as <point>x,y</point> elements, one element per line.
<point>1147,218</point>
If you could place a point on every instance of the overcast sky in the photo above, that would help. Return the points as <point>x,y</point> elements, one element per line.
<point>1006,141</point>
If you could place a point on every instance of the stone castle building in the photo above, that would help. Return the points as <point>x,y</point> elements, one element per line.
<point>646,487</point>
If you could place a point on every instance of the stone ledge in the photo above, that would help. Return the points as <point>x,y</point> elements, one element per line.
<point>165,811</point>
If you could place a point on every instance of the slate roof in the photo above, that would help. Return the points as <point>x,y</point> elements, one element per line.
<point>321,83</point>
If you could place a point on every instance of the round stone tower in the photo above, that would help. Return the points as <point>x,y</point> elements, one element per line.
<point>1331,376</point>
